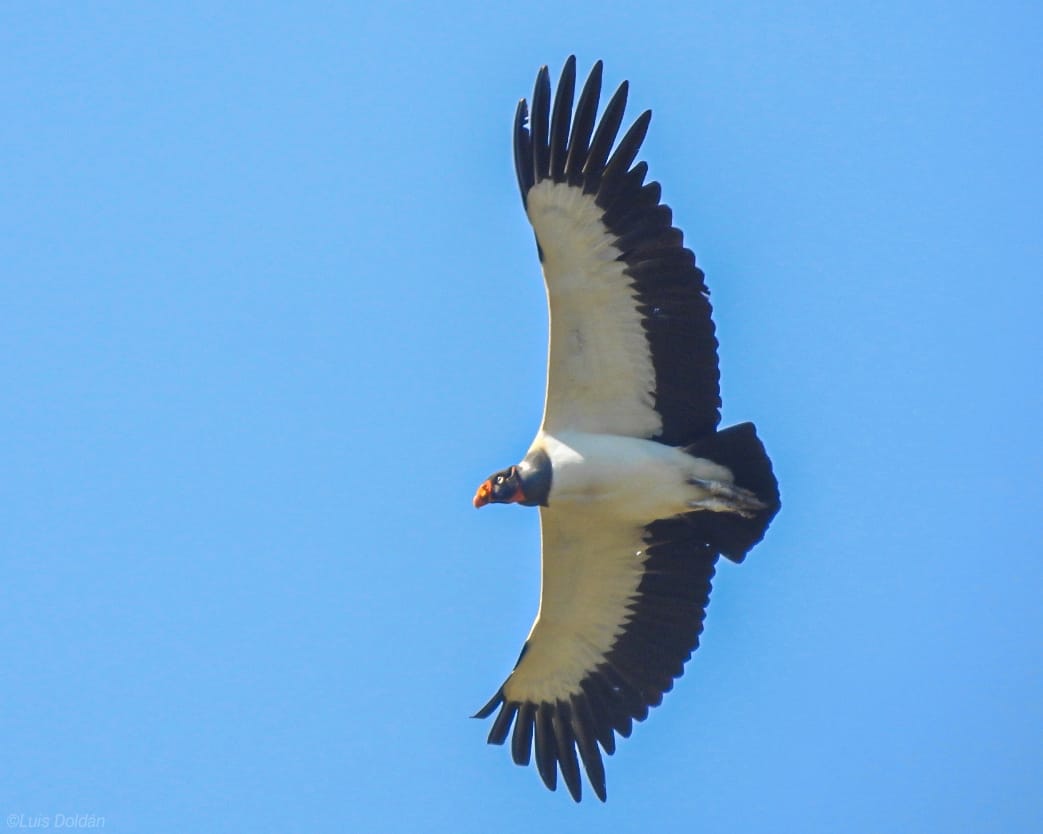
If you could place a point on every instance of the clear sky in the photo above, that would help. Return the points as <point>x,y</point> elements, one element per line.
<point>271,311</point>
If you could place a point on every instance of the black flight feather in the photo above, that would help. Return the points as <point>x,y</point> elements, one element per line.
<point>566,745</point>
<point>604,136</point>
<point>538,125</point>
<point>583,126</point>
<point>523,150</point>
<point>521,741</point>
<point>560,117</point>
<point>546,748</point>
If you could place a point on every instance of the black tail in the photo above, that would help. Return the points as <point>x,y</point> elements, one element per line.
<point>739,449</point>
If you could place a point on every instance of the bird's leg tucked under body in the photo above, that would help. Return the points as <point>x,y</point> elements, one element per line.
<point>722,497</point>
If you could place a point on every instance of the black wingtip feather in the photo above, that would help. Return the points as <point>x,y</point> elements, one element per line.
<point>583,126</point>
<point>538,125</point>
<point>502,723</point>
<point>565,742</point>
<point>601,713</point>
<point>560,118</point>
<point>624,155</point>
<point>521,740</point>
<point>604,137</point>
<point>523,151</point>
<point>492,704</point>
<point>546,746</point>
<point>586,743</point>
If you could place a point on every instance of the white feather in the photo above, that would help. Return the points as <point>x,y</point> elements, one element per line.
<point>600,376</point>
<point>591,568</point>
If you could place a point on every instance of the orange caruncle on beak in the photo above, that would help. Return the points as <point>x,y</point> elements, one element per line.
<point>481,498</point>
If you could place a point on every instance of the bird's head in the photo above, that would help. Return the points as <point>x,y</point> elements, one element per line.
<point>503,487</point>
<point>527,483</point>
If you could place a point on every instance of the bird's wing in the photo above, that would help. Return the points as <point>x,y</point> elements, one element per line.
<point>621,610</point>
<point>632,344</point>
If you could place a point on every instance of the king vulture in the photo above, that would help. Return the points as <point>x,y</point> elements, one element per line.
<point>638,491</point>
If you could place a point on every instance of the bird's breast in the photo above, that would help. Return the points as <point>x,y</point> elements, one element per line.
<point>629,478</point>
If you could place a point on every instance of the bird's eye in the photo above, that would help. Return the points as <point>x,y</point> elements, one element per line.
<point>499,479</point>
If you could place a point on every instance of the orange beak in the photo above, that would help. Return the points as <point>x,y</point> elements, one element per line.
<point>481,498</point>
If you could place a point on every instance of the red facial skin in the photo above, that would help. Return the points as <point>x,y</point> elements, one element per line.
<point>481,498</point>
<point>484,495</point>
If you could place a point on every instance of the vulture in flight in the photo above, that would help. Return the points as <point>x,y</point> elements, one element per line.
<point>638,490</point>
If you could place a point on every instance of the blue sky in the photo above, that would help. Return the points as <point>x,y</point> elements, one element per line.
<point>272,311</point>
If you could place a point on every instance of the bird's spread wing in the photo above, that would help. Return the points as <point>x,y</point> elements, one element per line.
<point>632,345</point>
<point>621,610</point>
